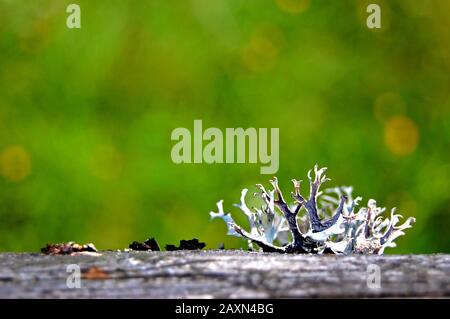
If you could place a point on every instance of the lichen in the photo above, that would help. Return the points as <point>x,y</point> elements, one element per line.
<point>325,222</point>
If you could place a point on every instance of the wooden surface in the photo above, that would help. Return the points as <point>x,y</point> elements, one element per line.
<point>222,274</point>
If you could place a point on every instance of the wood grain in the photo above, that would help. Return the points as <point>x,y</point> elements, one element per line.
<point>222,274</point>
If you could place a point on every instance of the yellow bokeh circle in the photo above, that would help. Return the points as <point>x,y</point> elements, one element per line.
<point>401,135</point>
<point>15,163</point>
<point>261,54</point>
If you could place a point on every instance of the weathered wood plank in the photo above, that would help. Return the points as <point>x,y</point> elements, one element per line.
<point>223,274</point>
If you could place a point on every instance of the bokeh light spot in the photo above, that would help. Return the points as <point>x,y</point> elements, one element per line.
<point>106,163</point>
<point>293,6</point>
<point>260,54</point>
<point>401,135</point>
<point>15,163</point>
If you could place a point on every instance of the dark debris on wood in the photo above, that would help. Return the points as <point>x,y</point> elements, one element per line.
<point>149,244</point>
<point>192,244</point>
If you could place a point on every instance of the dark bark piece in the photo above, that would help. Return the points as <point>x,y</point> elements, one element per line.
<point>192,244</point>
<point>149,244</point>
<point>223,274</point>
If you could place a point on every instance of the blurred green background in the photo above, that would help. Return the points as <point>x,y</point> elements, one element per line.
<point>86,115</point>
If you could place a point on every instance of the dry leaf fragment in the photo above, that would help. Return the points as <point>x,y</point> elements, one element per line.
<point>67,248</point>
<point>95,273</point>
